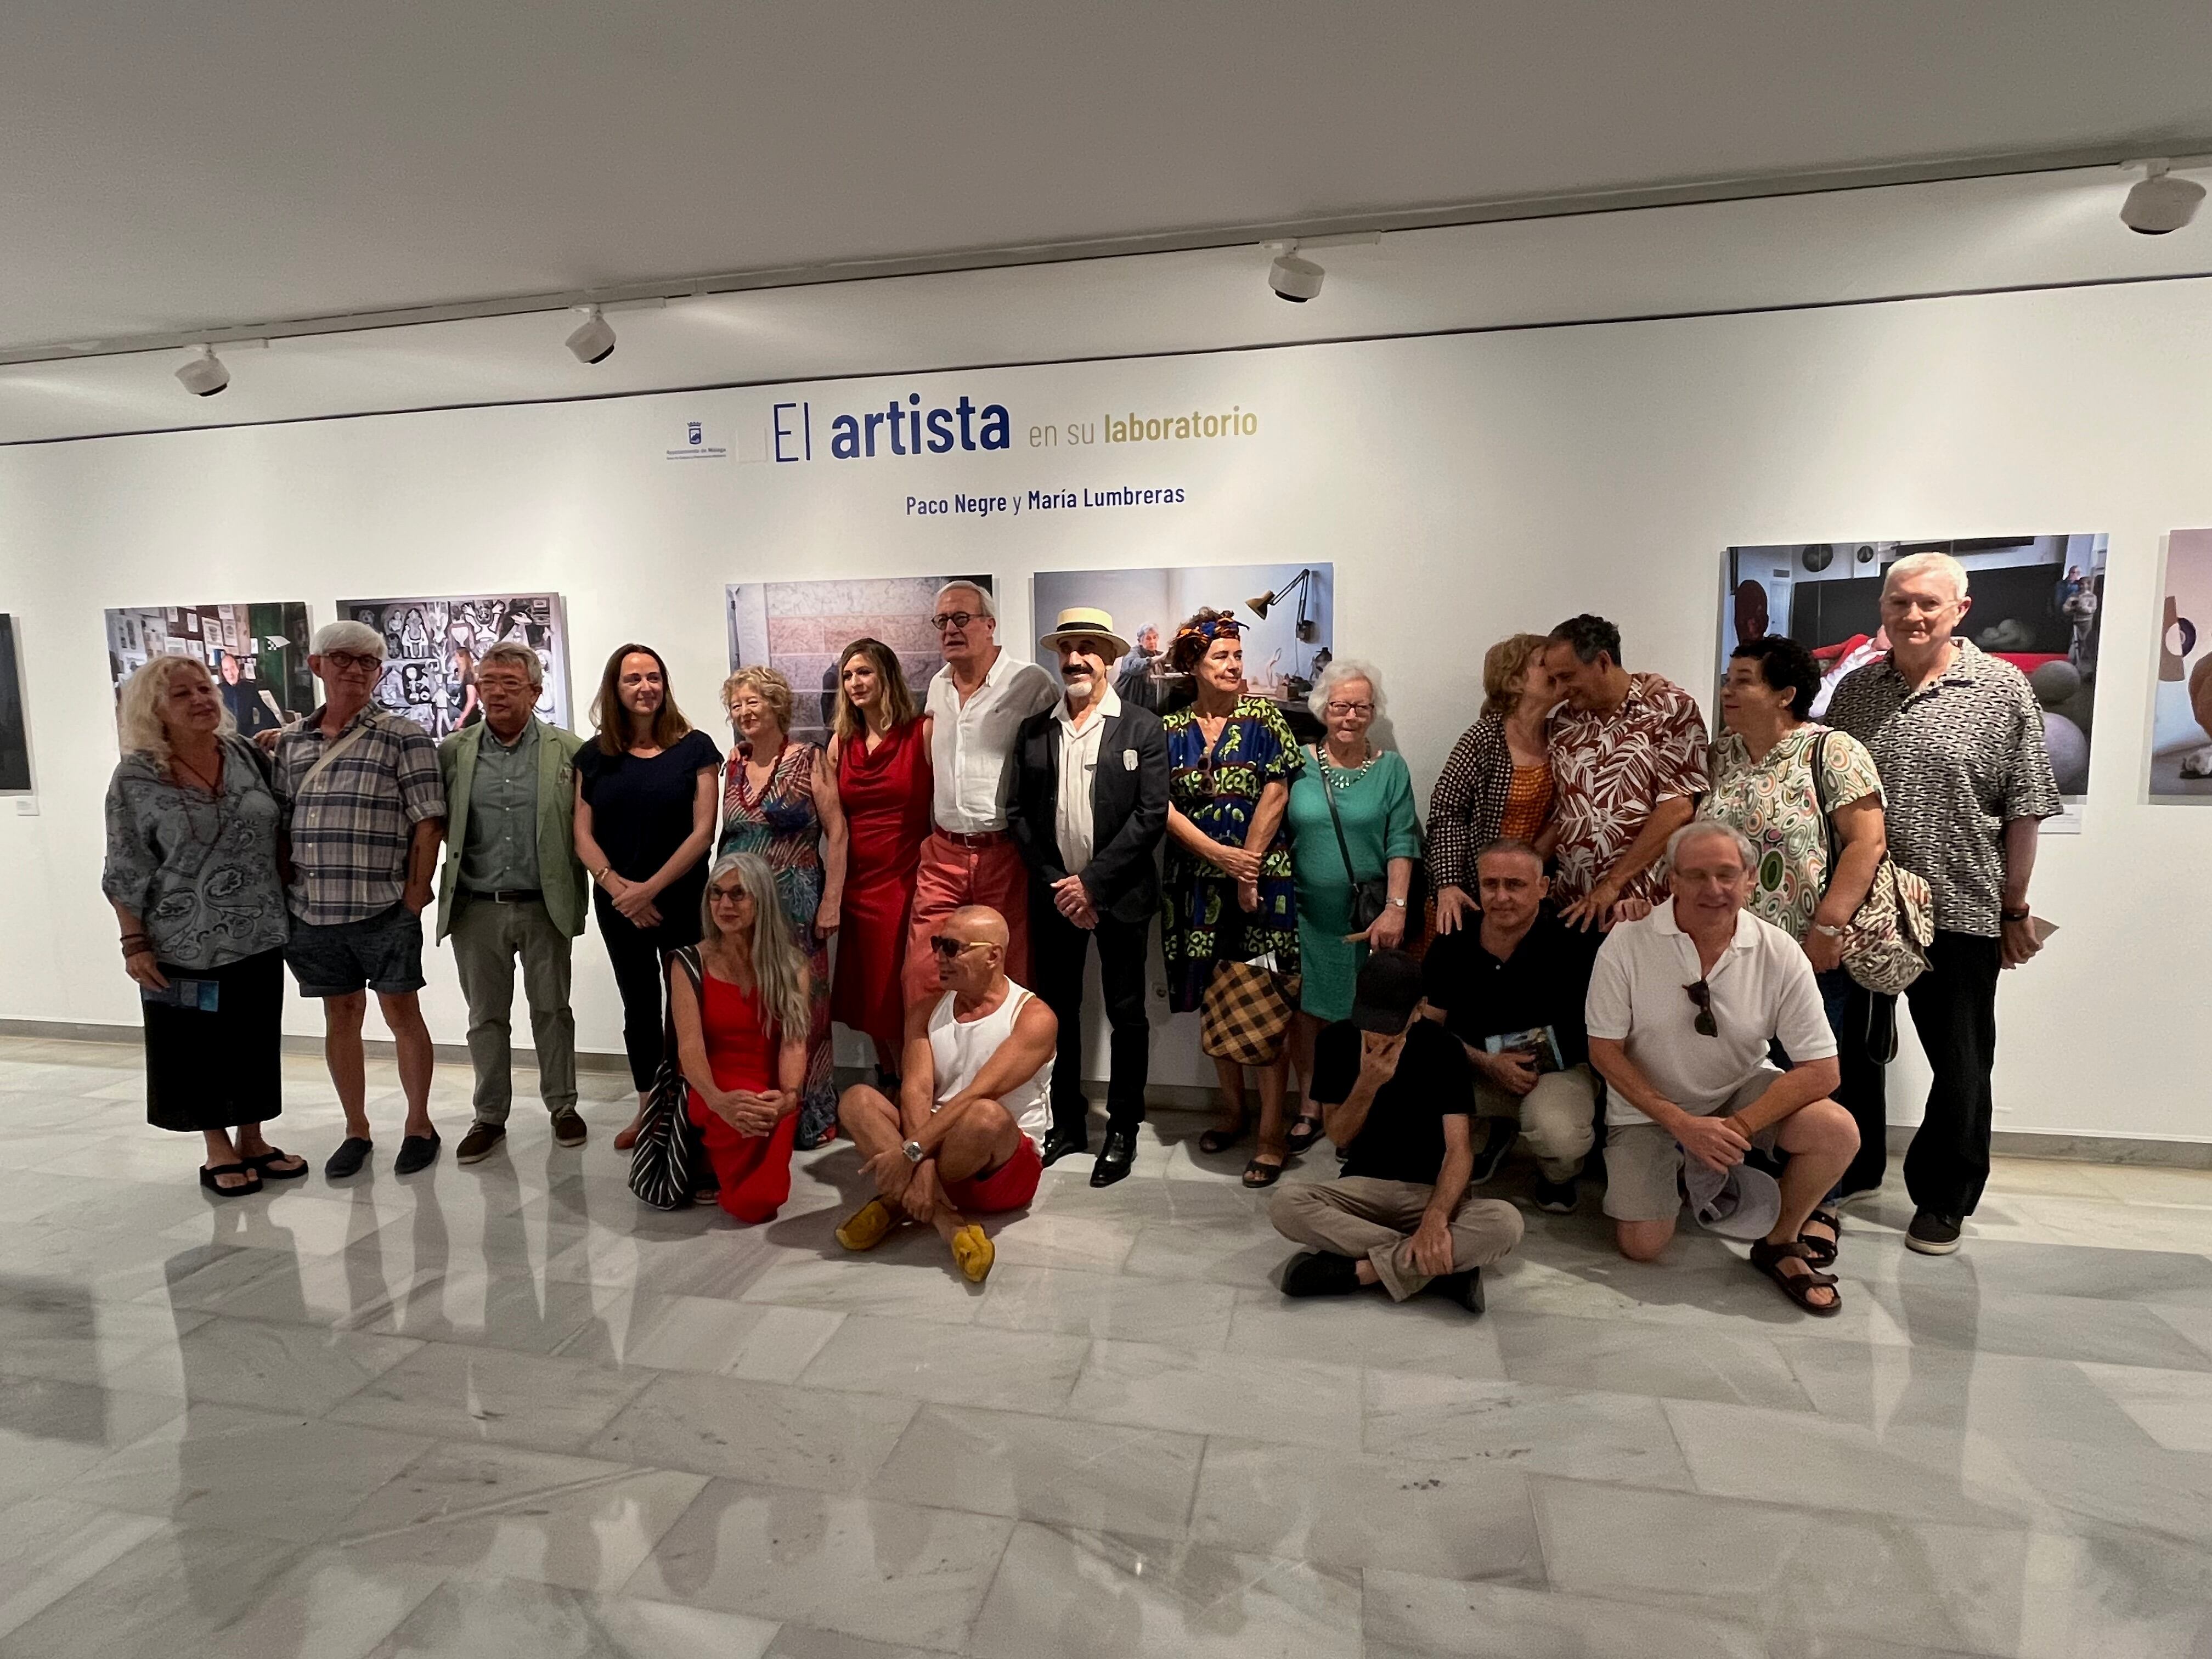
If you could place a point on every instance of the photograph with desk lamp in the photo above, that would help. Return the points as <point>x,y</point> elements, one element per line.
<point>1288,613</point>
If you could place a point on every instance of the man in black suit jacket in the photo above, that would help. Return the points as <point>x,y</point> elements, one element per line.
<point>1090,846</point>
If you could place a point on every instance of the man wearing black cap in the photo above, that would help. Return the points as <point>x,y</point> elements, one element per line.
<point>1395,1093</point>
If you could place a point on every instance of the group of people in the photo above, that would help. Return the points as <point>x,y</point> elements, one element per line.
<point>1632,931</point>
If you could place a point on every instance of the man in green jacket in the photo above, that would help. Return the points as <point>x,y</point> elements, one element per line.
<point>512,887</point>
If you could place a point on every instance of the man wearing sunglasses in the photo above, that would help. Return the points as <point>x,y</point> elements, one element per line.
<point>1685,1008</point>
<point>973,1089</point>
<point>975,703</point>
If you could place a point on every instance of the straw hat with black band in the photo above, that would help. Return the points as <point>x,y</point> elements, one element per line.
<point>1085,621</point>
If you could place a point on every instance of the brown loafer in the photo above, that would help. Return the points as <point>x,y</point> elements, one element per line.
<point>569,1128</point>
<point>480,1142</point>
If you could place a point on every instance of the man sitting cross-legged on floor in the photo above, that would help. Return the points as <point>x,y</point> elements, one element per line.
<point>1395,1092</point>
<point>974,1084</point>
<point>1684,1007</point>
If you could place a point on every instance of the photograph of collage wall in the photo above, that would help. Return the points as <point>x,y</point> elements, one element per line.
<point>431,646</point>
<point>14,719</point>
<point>799,628</point>
<point>2037,601</point>
<point>2181,726</point>
<point>256,653</point>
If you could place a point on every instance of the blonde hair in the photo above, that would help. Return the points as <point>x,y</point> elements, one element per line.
<point>778,964</point>
<point>1503,664</point>
<point>138,714</point>
<point>846,720</point>
<point>1913,564</point>
<point>775,690</point>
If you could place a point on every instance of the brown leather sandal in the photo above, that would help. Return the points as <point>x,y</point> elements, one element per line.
<point>1821,1251</point>
<point>1768,1258</point>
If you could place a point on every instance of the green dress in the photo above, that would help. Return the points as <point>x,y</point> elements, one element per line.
<point>1376,806</point>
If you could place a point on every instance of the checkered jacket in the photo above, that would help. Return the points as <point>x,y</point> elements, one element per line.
<point>351,827</point>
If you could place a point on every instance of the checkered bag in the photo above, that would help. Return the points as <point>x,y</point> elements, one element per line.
<point>1246,1012</point>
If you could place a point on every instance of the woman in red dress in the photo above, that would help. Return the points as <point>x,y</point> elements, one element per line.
<point>741,1035</point>
<point>880,753</point>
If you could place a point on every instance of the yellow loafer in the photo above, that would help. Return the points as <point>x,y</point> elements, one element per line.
<point>973,1250</point>
<point>867,1226</point>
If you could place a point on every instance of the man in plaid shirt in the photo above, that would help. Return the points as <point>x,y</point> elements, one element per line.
<point>365,808</point>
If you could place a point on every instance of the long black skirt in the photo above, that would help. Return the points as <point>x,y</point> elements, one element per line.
<point>217,1068</point>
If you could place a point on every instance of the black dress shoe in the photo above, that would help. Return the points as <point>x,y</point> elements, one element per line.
<point>353,1153</point>
<point>415,1152</point>
<point>1464,1288</point>
<point>1320,1273</point>
<point>1115,1158</point>
<point>1059,1143</point>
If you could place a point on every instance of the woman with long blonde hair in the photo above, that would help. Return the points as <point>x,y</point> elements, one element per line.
<point>1496,785</point>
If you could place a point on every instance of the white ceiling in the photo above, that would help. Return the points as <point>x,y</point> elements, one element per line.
<point>183,167</point>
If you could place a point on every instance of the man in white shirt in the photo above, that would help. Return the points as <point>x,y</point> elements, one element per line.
<point>1684,1007</point>
<point>977,702</point>
<point>1089,807</point>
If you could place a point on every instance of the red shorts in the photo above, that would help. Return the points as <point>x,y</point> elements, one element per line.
<point>1009,1186</point>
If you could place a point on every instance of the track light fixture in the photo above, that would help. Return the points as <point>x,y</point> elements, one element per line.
<point>205,375</point>
<point>2161,203</point>
<point>593,341</point>
<point>1292,278</point>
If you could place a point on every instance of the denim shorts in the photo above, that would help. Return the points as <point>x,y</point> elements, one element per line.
<point>383,952</point>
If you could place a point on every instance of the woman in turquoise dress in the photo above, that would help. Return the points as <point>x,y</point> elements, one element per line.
<point>1372,792</point>
<point>1227,888</point>
<point>780,801</point>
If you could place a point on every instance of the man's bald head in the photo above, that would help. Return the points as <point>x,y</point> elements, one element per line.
<point>977,924</point>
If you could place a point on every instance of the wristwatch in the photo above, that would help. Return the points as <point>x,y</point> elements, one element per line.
<point>913,1152</point>
<point>1397,904</point>
<point>2020,915</point>
<point>1826,931</point>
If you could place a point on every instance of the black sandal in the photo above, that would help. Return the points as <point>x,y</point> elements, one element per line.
<point>1768,1258</point>
<point>1303,1133</point>
<point>1822,1251</point>
<point>208,1172</point>
<point>263,1163</point>
<point>1258,1174</point>
<point>1214,1141</point>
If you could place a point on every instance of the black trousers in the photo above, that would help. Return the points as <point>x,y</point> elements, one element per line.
<point>1955,1010</point>
<point>638,954</point>
<point>1058,951</point>
<point>1866,1031</point>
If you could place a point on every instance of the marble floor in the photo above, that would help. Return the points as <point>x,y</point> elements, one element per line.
<point>504,1410</point>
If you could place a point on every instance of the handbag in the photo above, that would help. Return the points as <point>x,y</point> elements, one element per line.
<point>1371,897</point>
<point>1246,1012</point>
<point>1885,945</point>
<point>665,1164</point>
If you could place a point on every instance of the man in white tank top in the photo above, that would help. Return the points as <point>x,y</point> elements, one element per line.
<point>975,1081</point>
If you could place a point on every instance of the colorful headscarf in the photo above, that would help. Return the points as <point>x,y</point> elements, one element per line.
<point>1198,634</point>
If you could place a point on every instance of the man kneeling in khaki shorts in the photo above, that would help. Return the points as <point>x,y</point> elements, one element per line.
<point>1684,1007</point>
<point>1395,1091</point>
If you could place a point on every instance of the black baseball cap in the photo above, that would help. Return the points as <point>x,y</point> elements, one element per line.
<point>1389,987</point>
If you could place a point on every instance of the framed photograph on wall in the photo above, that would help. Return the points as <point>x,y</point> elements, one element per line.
<point>2181,728</point>
<point>15,713</point>
<point>256,653</point>
<point>2039,603</point>
<point>799,628</point>
<point>431,646</point>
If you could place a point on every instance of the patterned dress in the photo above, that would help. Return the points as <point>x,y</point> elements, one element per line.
<point>1611,770</point>
<point>1772,802</point>
<point>781,824</point>
<point>1218,790</point>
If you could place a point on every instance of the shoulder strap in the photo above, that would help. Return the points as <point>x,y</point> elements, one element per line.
<point>338,747</point>
<point>1335,818</point>
<point>1820,801</point>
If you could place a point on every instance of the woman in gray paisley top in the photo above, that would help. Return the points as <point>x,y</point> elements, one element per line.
<point>193,832</point>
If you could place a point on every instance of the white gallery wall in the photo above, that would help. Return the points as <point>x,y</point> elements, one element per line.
<point>1462,487</point>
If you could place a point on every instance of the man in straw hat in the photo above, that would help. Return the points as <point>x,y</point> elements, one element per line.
<point>1089,807</point>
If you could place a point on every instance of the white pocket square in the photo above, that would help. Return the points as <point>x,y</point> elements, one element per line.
<point>1128,760</point>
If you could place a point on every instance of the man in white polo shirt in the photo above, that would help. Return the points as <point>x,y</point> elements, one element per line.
<point>1684,1007</point>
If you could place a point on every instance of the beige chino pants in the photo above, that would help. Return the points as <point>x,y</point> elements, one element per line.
<point>1360,1215</point>
<point>1557,1116</point>
<point>486,940</point>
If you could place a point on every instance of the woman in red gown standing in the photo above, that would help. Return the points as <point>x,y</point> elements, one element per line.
<point>879,750</point>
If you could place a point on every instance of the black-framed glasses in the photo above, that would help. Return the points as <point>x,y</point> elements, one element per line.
<point>1702,994</point>
<point>944,619</point>
<point>353,662</point>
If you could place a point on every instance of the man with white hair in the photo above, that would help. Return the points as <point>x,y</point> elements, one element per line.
<point>365,807</point>
<point>513,888</point>
<point>976,703</point>
<point>1684,1006</point>
<point>1957,736</point>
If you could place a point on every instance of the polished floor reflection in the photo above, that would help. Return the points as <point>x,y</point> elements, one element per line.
<point>504,1410</point>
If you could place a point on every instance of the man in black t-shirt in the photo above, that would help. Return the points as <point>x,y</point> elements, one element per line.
<point>1511,989</point>
<point>1395,1091</point>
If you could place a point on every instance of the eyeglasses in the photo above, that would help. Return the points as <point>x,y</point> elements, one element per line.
<point>1339,710</point>
<point>727,894</point>
<point>949,950</point>
<point>1702,994</point>
<point>352,662</point>
<point>944,619</point>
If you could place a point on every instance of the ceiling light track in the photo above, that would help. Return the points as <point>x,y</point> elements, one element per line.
<point>1338,228</point>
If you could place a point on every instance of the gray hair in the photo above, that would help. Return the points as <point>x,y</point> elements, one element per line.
<point>1339,671</point>
<point>346,636</point>
<point>138,713</point>
<point>1700,829</point>
<point>988,606</point>
<point>779,965</point>
<point>520,655</point>
<point>1508,846</point>
<point>1913,564</point>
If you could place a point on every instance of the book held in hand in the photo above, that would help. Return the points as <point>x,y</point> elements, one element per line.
<point>1538,1039</point>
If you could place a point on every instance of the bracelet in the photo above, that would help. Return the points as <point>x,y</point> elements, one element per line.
<point>1826,931</point>
<point>2020,915</point>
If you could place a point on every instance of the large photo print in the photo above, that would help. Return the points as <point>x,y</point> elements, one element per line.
<point>14,722</point>
<point>2038,602</point>
<point>432,646</point>
<point>797,629</point>
<point>2181,729</point>
<point>256,653</point>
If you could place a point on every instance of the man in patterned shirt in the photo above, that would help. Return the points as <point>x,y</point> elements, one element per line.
<point>1958,738</point>
<point>1628,762</point>
<point>365,808</point>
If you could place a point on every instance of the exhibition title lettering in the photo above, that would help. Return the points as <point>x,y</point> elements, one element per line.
<point>905,427</point>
